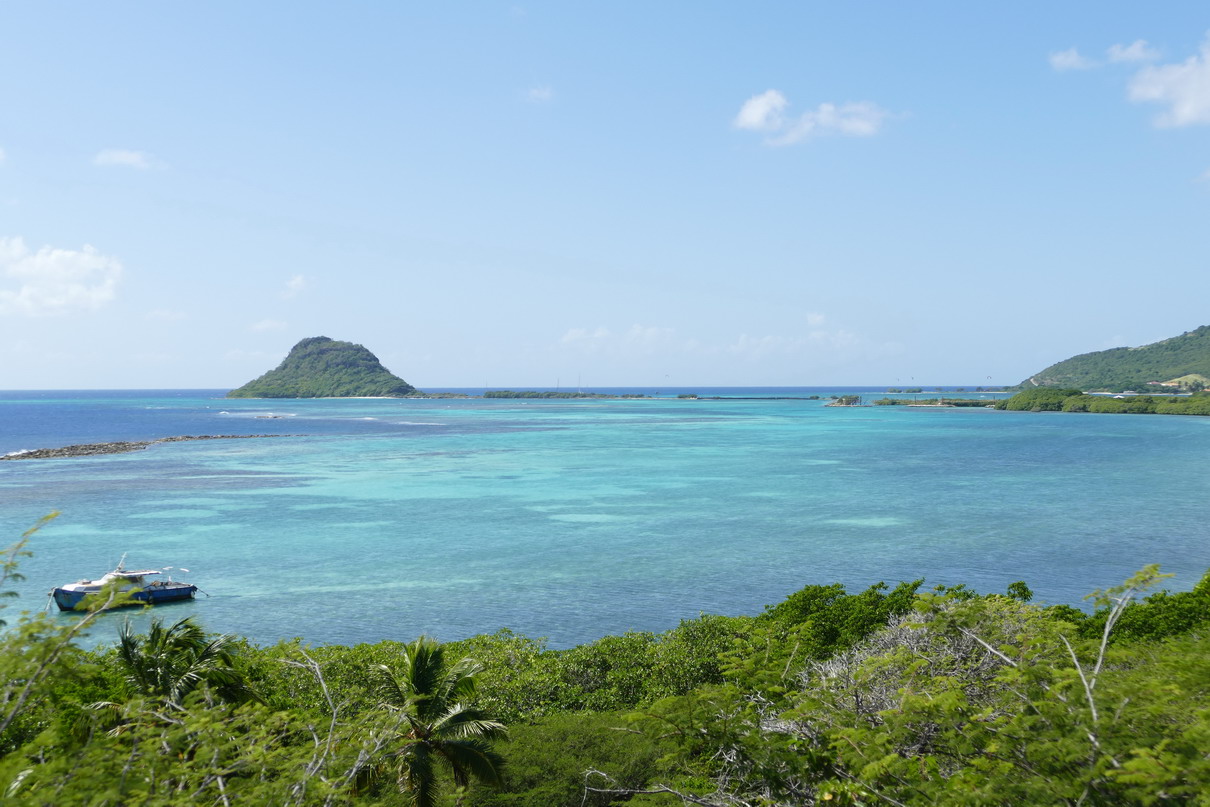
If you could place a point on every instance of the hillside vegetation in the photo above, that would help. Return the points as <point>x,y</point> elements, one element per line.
<point>320,367</point>
<point>1123,368</point>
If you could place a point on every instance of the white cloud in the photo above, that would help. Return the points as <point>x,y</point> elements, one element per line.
<point>267,325</point>
<point>54,281</point>
<point>1136,51</point>
<point>1205,176</point>
<point>1184,88</point>
<point>855,120</point>
<point>2,156</point>
<point>123,157</point>
<point>1070,59</point>
<point>293,286</point>
<point>766,113</point>
<point>762,113</point>
<point>815,319</point>
<point>540,95</point>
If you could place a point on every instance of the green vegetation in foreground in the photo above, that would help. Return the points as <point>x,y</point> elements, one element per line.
<point>1131,368</point>
<point>507,393</point>
<point>889,696</point>
<point>1047,399</point>
<point>319,367</point>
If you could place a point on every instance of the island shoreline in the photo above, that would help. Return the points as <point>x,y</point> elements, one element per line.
<point>121,446</point>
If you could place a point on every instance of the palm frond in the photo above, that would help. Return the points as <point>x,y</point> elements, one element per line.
<point>173,662</point>
<point>462,720</point>
<point>393,691</point>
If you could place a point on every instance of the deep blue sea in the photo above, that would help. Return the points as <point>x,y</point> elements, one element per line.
<point>570,520</point>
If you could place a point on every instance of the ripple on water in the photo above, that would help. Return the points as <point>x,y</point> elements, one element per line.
<point>867,521</point>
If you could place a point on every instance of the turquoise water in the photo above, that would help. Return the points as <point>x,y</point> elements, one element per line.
<point>570,520</point>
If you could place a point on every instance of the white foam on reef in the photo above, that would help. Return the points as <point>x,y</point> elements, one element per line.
<point>19,452</point>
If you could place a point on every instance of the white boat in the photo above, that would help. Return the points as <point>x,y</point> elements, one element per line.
<point>134,581</point>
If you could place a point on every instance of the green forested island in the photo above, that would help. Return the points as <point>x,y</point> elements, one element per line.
<point>1182,360</point>
<point>903,696</point>
<point>319,367</point>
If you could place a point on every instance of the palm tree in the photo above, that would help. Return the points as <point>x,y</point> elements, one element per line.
<point>170,663</point>
<point>439,727</point>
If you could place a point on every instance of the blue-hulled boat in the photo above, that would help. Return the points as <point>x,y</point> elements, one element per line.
<point>134,581</point>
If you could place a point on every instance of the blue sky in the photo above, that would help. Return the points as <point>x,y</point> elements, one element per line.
<point>647,194</point>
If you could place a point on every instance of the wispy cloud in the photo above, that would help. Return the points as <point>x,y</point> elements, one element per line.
<point>757,347</point>
<point>55,281</point>
<point>540,95</point>
<point>2,156</point>
<point>860,119</point>
<point>294,286</point>
<point>1136,51</point>
<point>766,113</point>
<point>1070,59</point>
<point>582,335</point>
<point>125,158</point>
<point>812,342</point>
<point>267,325</point>
<point>1184,88</point>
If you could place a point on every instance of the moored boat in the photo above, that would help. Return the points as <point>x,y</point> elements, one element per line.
<point>134,581</point>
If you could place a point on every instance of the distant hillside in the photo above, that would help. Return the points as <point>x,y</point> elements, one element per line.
<point>1123,368</point>
<point>320,367</point>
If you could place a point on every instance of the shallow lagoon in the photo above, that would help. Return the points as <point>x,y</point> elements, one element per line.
<point>575,519</point>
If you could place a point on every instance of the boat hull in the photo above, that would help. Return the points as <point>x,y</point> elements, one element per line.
<point>68,600</point>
